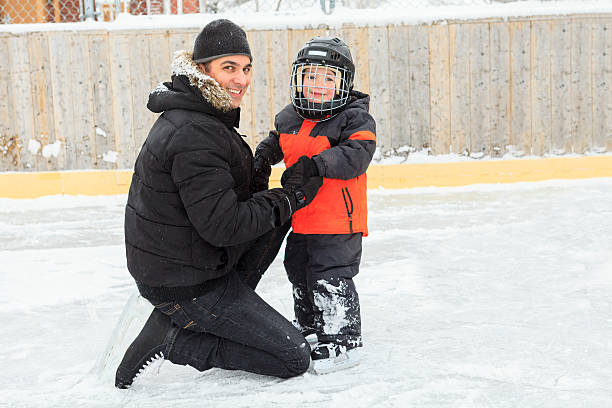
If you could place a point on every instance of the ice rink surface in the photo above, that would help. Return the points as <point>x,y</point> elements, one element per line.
<point>480,296</point>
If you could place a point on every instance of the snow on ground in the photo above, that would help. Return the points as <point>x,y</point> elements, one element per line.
<point>479,296</point>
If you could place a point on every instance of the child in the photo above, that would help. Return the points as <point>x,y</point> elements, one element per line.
<point>328,129</point>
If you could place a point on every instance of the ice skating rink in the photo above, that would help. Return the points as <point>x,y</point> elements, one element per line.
<point>479,296</point>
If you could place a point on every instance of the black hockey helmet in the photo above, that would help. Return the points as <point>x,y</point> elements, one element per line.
<point>326,59</point>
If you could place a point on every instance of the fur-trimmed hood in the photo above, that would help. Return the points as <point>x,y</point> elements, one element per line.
<point>167,96</point>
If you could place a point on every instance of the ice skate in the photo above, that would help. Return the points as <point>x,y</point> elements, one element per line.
<point>148,347</point>
<point>330,357</point>
<point>309,333</point>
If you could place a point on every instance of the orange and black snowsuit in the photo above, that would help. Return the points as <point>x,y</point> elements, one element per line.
<point>323,251</point>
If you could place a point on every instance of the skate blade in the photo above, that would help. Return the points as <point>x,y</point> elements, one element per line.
<point>330,365</point>
<point>312,340</point>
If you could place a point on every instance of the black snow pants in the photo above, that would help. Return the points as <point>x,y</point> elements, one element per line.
<point>321,269</point>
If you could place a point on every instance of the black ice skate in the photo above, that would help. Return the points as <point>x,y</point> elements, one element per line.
<point>149,346</point>
<point>329,357</point>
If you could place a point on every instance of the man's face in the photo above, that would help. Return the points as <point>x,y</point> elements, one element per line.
<point>233,73</point>
<point>319,83</point>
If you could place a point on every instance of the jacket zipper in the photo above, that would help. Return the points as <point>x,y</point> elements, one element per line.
<point>346,204</point>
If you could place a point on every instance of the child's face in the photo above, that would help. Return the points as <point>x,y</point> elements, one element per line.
<point>319,83</point>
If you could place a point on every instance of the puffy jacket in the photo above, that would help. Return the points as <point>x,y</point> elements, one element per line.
<point>342,148</point>
<point>190,212</point>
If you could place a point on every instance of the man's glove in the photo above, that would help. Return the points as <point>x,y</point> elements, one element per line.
<point>261,174</point>
<point>300,172</point>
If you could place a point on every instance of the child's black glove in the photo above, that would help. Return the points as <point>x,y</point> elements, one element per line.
<point>261,174</point>
<point>304,167</point>
<point>300,182</point>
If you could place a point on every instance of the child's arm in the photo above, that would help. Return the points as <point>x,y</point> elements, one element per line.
<point>354,150</point>
<point>267,153</point>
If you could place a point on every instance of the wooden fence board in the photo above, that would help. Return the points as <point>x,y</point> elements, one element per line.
<point>261,87</point>
<point>42,99</point>
<point>178,41</point>
<point>380,95</point>
<point>520,119</point>
<point>159,58</point>
<point>279,71</point>
<point>418,108</point>
<point>23,113</point>
<point>581,99</point>
<point>63,120</point>
<point>499,88</point>
<point>459,51</point>
<point>103,120</point>
<point>439,77</point>
<point>399,74</point>
<point>541,80</point>
<point>480,73</point>
<point>8,151</point>
<point>121,82</point>
<point>357,40</point>
<point>141,87</point>
<point>560,101</point>
<point>82,100</point>
<point>602,86</point>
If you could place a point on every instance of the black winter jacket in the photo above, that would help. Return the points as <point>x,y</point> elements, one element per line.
<point>190,212</point>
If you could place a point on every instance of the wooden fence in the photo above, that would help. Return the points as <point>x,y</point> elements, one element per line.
<point>532,86</point>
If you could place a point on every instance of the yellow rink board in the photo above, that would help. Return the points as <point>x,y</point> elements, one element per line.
<point>110,182</point>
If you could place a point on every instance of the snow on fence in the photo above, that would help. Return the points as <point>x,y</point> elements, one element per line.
<point>486,88</point>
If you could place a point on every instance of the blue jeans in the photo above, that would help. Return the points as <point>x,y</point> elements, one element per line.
<point>231,327</point>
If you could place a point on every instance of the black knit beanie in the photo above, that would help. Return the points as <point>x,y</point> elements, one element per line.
<point>218,39</point>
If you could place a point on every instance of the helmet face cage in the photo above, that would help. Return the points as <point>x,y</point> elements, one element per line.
<point>321,78</point>
<point>319,91</point>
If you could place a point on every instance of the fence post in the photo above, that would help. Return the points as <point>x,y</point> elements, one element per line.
<point>202,6</point>
<point>89,12</point>
<point>166,6</point>
<point>179,6</point>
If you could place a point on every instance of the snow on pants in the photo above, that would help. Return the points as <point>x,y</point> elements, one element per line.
<point>231,327</point>
<point>321,269</point>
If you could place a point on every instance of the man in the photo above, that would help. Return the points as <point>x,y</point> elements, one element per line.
<point>197,236</point>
